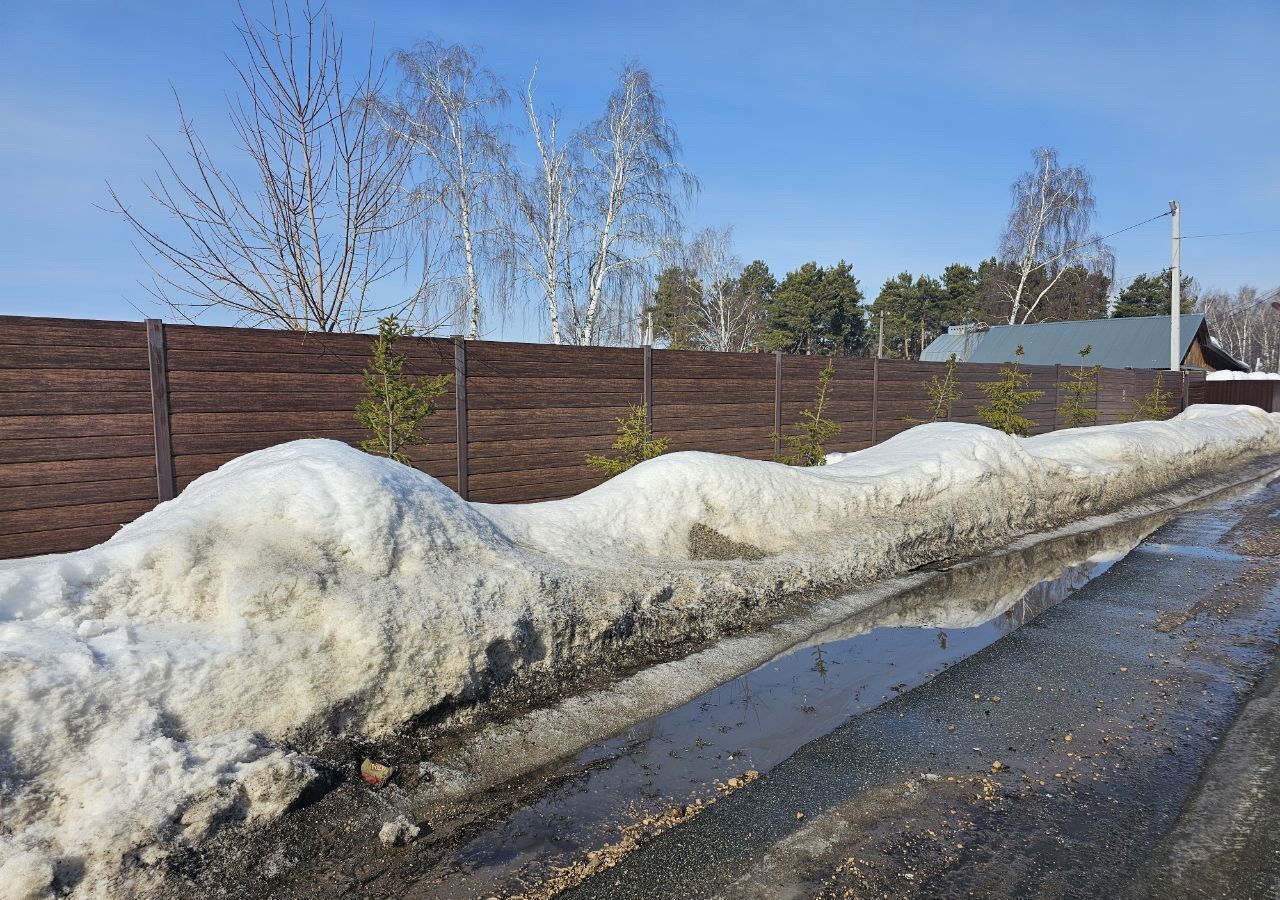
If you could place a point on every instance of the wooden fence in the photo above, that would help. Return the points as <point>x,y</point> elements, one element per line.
<point>100,420</point>
<point>1263,394</point>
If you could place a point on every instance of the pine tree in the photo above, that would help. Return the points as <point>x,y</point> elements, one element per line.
<point>674,308</point>
<point>395,405</point>
<point>816,311</point>
<point>813,430</point>
<point>634,442</point>
<point>913,308</point>
<point>1077,408</point>
<point>943,392</point>
<point>1155,406</point>
<point>1007,398</point>
<point>1148,295</point>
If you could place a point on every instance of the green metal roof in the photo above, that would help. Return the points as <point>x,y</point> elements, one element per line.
<point>1140,342</point>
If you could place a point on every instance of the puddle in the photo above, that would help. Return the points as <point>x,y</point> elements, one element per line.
<point>756,720</point>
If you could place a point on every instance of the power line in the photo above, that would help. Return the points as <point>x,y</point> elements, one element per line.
<point>1128,228</point>
<point>1098,240</point>
<point>1189,237</point>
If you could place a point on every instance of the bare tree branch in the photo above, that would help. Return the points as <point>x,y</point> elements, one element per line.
<point>303,244</point>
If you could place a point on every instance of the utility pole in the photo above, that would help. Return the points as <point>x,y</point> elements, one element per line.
<point>880,345</point>
<point>1175,292</point>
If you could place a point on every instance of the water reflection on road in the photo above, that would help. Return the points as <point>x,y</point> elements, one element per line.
<point>754,721</point>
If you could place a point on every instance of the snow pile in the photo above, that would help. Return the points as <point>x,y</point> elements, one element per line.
<point>1242,376</point>
<point>150,687</point>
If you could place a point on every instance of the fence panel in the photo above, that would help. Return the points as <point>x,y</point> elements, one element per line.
<point>719,402</point>
<point>535,411</point>
<point>234,390</point>
<point>77,454</point>
<point>1263,394</point>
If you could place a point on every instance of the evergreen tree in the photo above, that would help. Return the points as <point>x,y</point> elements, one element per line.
<point>1148,295</point>
<point>395,405</point>
<point>634,443</point>
<point>943,393</point>
<point>757,285</point>
<point>913,313</point>
<point>674,307</point>
<point>1007,398</point>
<point>1078,406</point>
<point>1080,293</point>
<point>1155,406</point>
<point>816,312</point>
<point>804,448</point>
<point>963,287</point>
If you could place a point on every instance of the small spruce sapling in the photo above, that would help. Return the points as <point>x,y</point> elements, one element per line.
<point>1155,406</point>
<point>635,443</point>
<point>395,405</point>
<point>813,430</point>
<point>1077,407</point>
<point>1007,398</point>
<point>943,393</point>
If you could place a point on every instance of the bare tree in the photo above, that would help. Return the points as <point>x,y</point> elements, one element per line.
<point>442,118</point>
<point>304,243</point>
<point>1246,325</point>
<point>543,201</point>
<point>1048,232</point>
<point>627,208</point>
<point>728,316</point>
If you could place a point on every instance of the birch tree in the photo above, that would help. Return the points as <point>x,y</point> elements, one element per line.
<point>728,316</point>
<point>1048,232</point>
<point>543,202</point>
<point>627,208</point>
<point>442,117</point>
<point>301,240</point>
<point>1246,324</point>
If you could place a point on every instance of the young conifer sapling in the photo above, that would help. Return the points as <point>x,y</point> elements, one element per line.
<point>395,405</point>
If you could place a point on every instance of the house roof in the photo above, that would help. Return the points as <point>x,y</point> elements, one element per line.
<point>1140,342</point>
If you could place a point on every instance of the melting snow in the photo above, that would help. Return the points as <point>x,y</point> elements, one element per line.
<point>1225,375</point>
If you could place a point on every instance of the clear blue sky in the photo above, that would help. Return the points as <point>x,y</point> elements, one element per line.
<point>883,133</point>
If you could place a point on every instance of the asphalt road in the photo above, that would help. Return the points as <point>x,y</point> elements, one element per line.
<point>1098,751</point>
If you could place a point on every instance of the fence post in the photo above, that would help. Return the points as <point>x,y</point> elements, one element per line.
<point>875,400</point>
<point>165,487</point>
<point>1097,397</point>
<point>1057,392</point>
<point>648,386</point>
<point>777,402</point>
<point>460,393</point>
<point>1186,391</point>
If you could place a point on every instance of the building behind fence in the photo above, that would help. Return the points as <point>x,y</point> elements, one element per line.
<point>101,420</point>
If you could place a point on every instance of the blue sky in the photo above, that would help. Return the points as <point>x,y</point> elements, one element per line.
<point>886,134</point>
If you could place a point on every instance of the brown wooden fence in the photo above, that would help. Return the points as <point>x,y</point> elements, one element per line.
<point>1264,394</point>
<point>100,420</point>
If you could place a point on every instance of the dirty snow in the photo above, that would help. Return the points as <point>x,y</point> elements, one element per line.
<point>169,681</point>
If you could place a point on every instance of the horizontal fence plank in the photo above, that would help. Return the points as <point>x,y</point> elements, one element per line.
<point>56,380</point>
<point>63,471</point>
<point>35,356</point>
<point>94,447</point>
<point>45,332</point>
<point>45,519</point>
<point>42,496</point>
<point>61,540</point>
<point>73,426</point>
<point>67,403</point>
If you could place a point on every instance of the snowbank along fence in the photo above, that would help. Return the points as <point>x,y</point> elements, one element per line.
<point>101,420</point>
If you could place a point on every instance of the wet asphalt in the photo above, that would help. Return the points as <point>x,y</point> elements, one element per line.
<point>1090,753</point>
